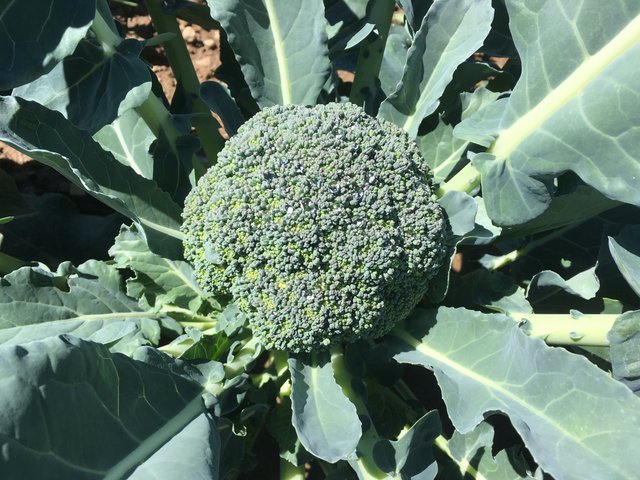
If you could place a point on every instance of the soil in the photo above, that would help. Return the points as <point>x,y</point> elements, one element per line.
<point>203,46</point>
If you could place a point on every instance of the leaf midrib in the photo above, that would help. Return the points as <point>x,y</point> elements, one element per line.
<point>490,384</point>
<point>281,56</point>
<point>510,138</point>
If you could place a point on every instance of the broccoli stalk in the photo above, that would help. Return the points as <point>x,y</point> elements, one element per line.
<point>570,329</point>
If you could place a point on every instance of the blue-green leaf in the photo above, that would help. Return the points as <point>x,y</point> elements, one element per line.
<point>33,40</point>
<point>584,284</point>
<point>158,280</point>
<point>93,86</point>
<point>624,349</point>
<point>129,140</point>
<point>472,454</point>
<point>281,47</point>
<point>450,32</point>
<point>625,250</point>
<point>51,139</point>
<point>33,307</point>
<point>193,453</point>
<point>411,457</point>
<point>218,98</point>
<point>575,107</point>
<point>441,150</point>
<point>575,419</point>
<point>326,421</point>
<point>461,212</point>
<point>71,409</point>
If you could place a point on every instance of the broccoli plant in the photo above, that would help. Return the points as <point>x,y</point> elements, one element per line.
<point>390,240</point>
<point>321,239</point>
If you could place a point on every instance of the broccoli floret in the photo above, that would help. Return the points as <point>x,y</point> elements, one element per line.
<point>320,222</point>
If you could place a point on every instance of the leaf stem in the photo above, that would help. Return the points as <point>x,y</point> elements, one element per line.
<point>364,85</point>
<point>109,39</point>
<point>187,80</point>
<point>567,329</point>
<point>289,471</point>
<point>151,444</point>
<point>506,259</point>
<point>464,466</point>
<point>152,111</point>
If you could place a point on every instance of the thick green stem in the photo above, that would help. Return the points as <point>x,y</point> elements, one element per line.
<point>182,67</point>
<point>371,53</point>
<point>512,256</point>
<point>466,180</point>
<point>464,466</point>
<point>109,39</point>
<point>289,471</point>
<point>568,329</point>
<point>152,111</point>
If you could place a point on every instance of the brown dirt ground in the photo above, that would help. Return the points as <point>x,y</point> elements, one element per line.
<point>203,46</point>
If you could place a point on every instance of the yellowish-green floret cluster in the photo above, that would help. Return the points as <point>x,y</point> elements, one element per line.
<point>320,222</point>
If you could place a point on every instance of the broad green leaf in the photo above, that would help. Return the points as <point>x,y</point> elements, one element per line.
<point>158,280</point>
<point>575,107</point>
<point>624,349</point>
<point>584,284</point>
<point>33,40</point>
<point>94,85</point>
<point>195,345</point>
<point>411,457</point>
<point>450,32</point>
<point>326,421</point>
<point>471,453</point>
<point>479,127</point>
<point>281,47</point>
<point>58,232</point>
<point>129,140</point>
<point>461,212</point>
<point>441,150</point>
<point>12,204</point>
<point>33,307</point>
<point>71,409</point>
<point>625,250</point>
<point>415,11</point>
<point>580,204</point>
<point>485,231</point>
<point>394,59</point>
<point>51,139</point>
<point>574,418</point>
<point>493,290</point>
<point>218,98</point>
<point>166,159</point>
<point>280,427</point>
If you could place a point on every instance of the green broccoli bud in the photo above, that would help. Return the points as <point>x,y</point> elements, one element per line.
<point>322,224</point>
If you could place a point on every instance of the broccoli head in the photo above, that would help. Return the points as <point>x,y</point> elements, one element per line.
<point>320,222</point>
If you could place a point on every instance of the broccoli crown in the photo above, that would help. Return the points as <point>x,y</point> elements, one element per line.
<point>320,222</point>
